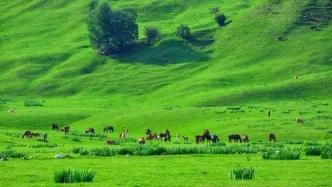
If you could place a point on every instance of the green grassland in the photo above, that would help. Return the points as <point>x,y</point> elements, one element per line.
<point>225,80</point>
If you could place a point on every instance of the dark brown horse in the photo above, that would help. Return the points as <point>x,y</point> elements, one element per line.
<point>90,131</point>
<point>245,139</point>
<point>66,129</point>
<point>108,129</point>
<point>27,134</point>
<point>234,138</point>
<point>35,134</point>
<point>166,136</point>
<point>272,137</point>
<point>152,136</point>
<point>55,126</point>
<point>199,139</point>
<point>110,142</point>
<point>214,139</point>
<point>299,121</point>
<point>148,131</point>
<point>141,140</point>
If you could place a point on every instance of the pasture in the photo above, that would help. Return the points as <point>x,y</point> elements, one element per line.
<point>268,70</point>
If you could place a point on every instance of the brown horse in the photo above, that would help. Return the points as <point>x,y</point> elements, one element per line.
<point>110,142</point>
<point>245,139</point>
<point>54,126</point>
<point>272,137</point>
<point>66,129</point>
<point>27,134</point>
<point>234,138</point>
<point>199,138</point>
<point>35,134</point>
<point>141,140</point>
<point>90,131</point>
<point>108,129</point>
<point>299,121</point>
<point>166,136</point>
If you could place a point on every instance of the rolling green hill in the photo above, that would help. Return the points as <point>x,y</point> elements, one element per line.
<point>46,56</point>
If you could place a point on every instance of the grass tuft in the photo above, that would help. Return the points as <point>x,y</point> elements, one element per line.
<point>73,176</point>
<point>242,173</point>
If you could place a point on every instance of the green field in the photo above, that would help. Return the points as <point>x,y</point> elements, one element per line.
<point>225,81</point>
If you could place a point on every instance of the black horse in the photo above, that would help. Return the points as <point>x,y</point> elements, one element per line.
<point>148,131</point>
<point>245,139</point>
<point>214,139</point>
<point>108,129</point>
<point>272,137</point>
<point>234,138</point>
<point>166,136</point>
<point>55,126</point>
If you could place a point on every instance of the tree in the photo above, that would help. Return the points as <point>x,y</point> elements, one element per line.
<point>111,31</point>
<point>183,31</point>
<point>220,19</point>
<point>151,34</point>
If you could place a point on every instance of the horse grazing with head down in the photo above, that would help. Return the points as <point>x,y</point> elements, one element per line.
<point>141,140</point>
<point>214,139</point>
<point>245,139</point>
<point>55,126</point>
<point>272,137</point>
<point>234,138</point>
<point>27,134</point>
<point>108,129</point>
<point>90,131</point>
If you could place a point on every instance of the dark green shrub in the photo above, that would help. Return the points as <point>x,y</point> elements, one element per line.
<point>313,150</point>
<point>183,31</point>
<point>73,176</point>
<point>10,153</point>
<point>326,154</point>
<point>151,34</point>
<point>220,19</point>
<point>242,173</point>
<point>281,155</point>
<point>111,31</point>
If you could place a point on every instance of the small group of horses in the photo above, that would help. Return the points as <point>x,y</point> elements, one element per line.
<point>163,136</point>
<point>30,134</point>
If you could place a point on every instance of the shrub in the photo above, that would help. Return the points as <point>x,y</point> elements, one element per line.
<point>220,19</point>
<point>242,173</point>
<point>73,176</point>
<point>32,103</point>
<point>183,31</point>
<point>326,154</point>
<point>313,150</point>
<point>51,145</point>
<point>151,35</point>
<point>281,155</point>
<point>76,139</point>
<point>111,31</point>
<point>12,154</point>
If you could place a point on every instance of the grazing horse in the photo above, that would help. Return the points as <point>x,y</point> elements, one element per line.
<point>66,129</point>
<point>108,129</point>
<point>185,139</point>
<point>206,135</point>
<point>199,138</point>
<point>141,140</point>
<point>234,138</point>
<point>27,134</point>
<point>55,126</point>
<point>148,131</point>
<point>90,131</point>
<point>35,134</point>
<point>110,142</point>
<point>45,137</point>
<point>152,136</point>
<point>245,139</point>
<point>167,136</point>
<point>299,120</point>
<point>272,137</point>
<point>214,139</point>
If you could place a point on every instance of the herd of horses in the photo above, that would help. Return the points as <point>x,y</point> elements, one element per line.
<point>163,136</point>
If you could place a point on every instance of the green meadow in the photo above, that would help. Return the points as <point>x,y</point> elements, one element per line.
<point>273,55</point>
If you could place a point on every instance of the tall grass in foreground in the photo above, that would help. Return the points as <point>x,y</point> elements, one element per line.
<point>159,150</point>
<point>73,176</point>
<point>12,154</point>
<point>242,173</point>
<point>281,155</point>
<point>313,150</point>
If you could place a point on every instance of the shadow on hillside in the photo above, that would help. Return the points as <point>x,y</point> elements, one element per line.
<point>170,51</point>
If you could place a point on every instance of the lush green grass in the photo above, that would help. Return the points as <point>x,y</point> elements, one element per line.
<point>224,80</point>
